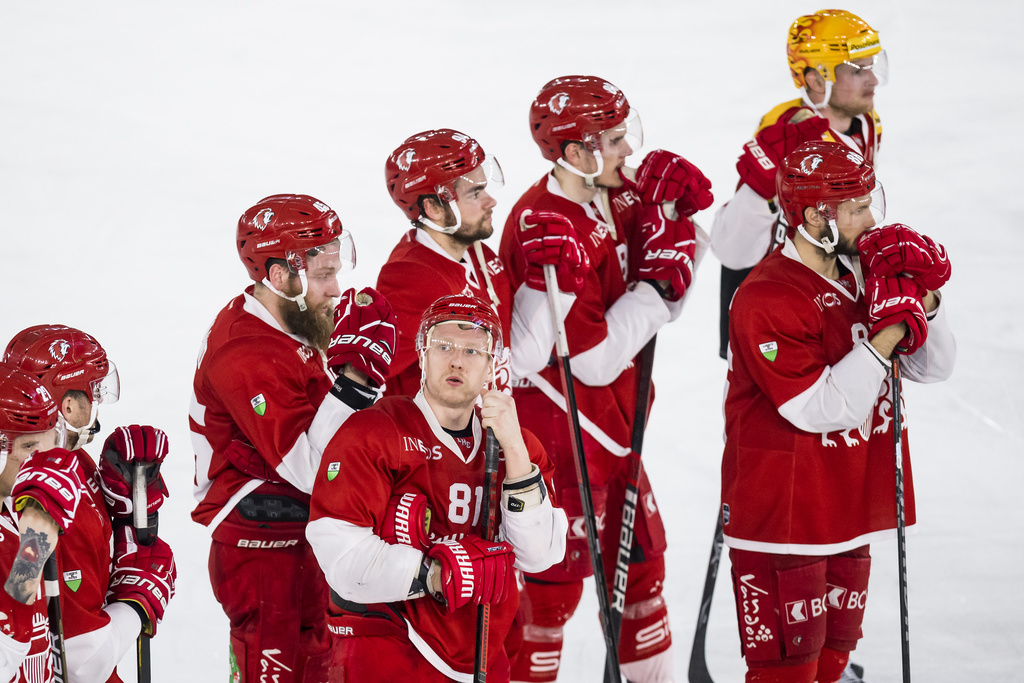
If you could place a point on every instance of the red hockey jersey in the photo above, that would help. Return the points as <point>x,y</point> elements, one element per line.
<point>786,490</point>
<point>24,629</point>
<point>606,410</point>
<point>396,447</point>
<point>417,273</point>
<point>255,395</point>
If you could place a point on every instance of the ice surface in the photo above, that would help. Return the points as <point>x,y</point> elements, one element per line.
<point>134,134</point>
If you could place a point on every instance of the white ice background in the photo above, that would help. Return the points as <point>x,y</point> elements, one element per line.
<point>133,135</point>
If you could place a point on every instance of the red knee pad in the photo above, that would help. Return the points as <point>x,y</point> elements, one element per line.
<point>846,596</point>
<point>543,609</point>
<point>780,606</point>
<point>645,630</point>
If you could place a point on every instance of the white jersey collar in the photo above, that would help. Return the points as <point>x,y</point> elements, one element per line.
<point>252,306</point>
<point>443,436</point>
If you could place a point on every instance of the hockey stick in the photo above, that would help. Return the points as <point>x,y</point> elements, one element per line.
<point>145,536</point>
<point>901,530</point>
<point>643,394</point>
<point>612,672</point>
<point>488,516</point>
<point>51,584</point>
<point>698,672</point>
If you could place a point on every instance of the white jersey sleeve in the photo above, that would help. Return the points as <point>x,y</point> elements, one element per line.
<point>93,656</point>
<point>533,334</point>
<point>12,654</point>
<point>934,361</point>
<point>537,531</point>
<point>359,565</point>
<point>742,230</point>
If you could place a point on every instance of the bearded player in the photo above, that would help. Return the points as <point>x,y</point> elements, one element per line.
<point>836,61</point>
<point>404,592</point>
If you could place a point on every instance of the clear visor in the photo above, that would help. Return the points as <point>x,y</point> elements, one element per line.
<point>458,337</point>
<point>342,249</point>
<point>487,175</point>
<point>108,388</point>
<point>878,64</point>
<point>58,435</point>
<point>623,140</point>
<point>854,208</point>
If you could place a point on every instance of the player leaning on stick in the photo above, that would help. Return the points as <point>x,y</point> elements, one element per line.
<point>280,369</point>
<point>106,600</point>
<point>403,594</point>
<point>642,248</point>
<point>808,473</point>
<point>836,61</point>
<point>442,181</point>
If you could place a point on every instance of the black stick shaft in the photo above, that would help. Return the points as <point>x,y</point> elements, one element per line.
<point>698,672</point>
<point>488,515</point>
<point>51,583</point>
<point>145,534</point>
<point>901,530</point>
<point>612,671</point>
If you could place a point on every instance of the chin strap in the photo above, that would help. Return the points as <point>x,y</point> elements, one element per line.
<point>805,95</point>
<point>300,298</point>
<point>829,245</point>
<point>450,230</point>
<point>83,435</point>
<point>588,178</point>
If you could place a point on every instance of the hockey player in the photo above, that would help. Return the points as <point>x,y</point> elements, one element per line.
<point>102,614</point>
<point>836,61</point>
<point>808,473</point>
<point>404,595</point>
<point>642,248</point>
<point>441,180</point>
<point>272,385</point>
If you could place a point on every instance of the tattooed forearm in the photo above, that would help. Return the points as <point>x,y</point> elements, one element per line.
<point>23,581</point>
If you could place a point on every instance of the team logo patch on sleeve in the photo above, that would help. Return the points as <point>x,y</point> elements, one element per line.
<point>73,579</point>
<point>259,404</point>
<point>332,470</point>
<point>769,350</point>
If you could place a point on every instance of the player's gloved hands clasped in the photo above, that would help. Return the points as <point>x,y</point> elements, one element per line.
<point>761,156</point>
<point>122,450</point>
<point>407,521</point>
<point>365,334</point>
<point>53,479</point>
<point>897,249</point>
<point>143,575</point>
<point>667,177</point>
<point>474,570</point>
<point>667,248</point>
<point>894,300</point>
<point>549,238</point>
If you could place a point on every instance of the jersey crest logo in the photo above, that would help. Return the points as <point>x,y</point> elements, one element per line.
<point>59,349</point>
<point>769,350</point>
<point>332,470</point>
<point>262,219</point>
<point>811,162</point>
<point>557,103</point>
<point>73,579</point>
<point>259,404</point>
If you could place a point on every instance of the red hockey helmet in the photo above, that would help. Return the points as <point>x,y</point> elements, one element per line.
<point>468,310</point>
<point>65,359</point>
<point>430,162</point>
<point>26,407</point>
<point>823,175</point>
<point>287,226</point>
<point>579,109</point>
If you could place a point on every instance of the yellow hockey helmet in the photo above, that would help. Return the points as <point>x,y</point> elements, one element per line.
<point>827,38</point>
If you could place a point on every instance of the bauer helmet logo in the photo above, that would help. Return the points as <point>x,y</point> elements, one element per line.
<point>405,159</point>
<point>59,349</point>
<point>809,163</point>
<point>262,219</point>
<point>557,102</point>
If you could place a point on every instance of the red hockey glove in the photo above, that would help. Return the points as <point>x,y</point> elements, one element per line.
<point>762,156</point>
<point>666,252</point>
<point>365,334</point>
<point>667,177</point>
<point>122,450</point>
<point>143,575</point>
<point>474,571</point>
<point>893,300</point>
<point>548,238</point>
<point>897,249</point>
<point>53,479</point>
<point>407,521</point>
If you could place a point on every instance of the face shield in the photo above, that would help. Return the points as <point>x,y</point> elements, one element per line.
<point>468,187</point>
<point>864,211</point>
<point>51,438</point>
<point>878,64</point>
<point>334,258</point>
<point>617,142</point>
